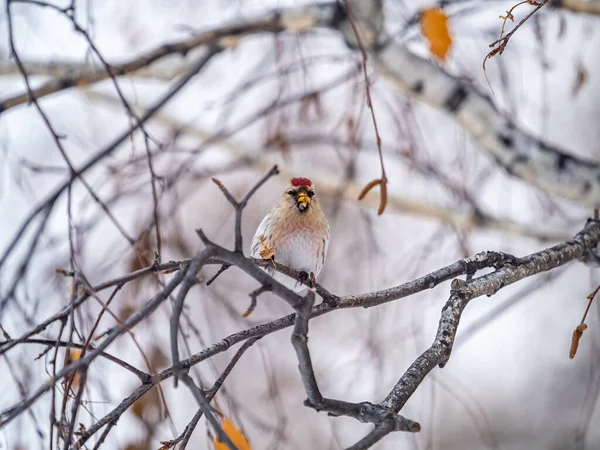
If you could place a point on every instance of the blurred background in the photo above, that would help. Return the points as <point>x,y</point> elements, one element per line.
<point>299,100</point>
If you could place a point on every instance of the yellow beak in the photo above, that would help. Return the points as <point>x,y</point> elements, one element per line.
<point>303,198</point>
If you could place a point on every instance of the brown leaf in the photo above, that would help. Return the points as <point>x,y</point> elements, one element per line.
<point>72,356</point>
<point>147,408</point>
<point>434,26</point>
<point>313,99</point>
<point>383,197</point>
<point>575,339</point>
<point>126,310</point>
<point>135,446</point>
<point>158,359</point>
<point>143,254</point>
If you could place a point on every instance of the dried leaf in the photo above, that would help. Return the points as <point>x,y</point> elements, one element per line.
<point>575,339</point>
<point>135,446</point>
<point>235,435</point>
<point>72,379</point>
<point>434,26</point>
<point>314,100</point>
<point>75,354</point>
<point>147,408</point>
<point>126,310</point>
<point>158,360</point>
<point>383,197</point>
<point>143,253</point>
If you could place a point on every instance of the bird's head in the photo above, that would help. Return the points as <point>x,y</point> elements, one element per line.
<point>299,194</point>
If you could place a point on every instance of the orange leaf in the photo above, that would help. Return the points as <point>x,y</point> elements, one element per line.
<point>236,436</point>
<point>434,25</point>
<point>75,354</point>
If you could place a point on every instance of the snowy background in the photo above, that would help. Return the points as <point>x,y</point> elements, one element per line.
<point>509,383</point>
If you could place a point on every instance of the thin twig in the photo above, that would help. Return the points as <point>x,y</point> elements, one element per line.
<point>578,332</point>
<point>383,180</point>
<point>189,429</point>
<point>205,406</point>
<point>502,42</point>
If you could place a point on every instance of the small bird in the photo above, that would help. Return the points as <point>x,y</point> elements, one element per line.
<point>295,233</point>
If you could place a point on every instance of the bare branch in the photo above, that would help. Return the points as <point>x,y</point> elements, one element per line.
<point>548,167</point>
<point>220,37</point>
<point>462,292</point>
<point>207,409</point>
<point>48,204</point>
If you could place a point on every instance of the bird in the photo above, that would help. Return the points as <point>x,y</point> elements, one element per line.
<point>294,233</point>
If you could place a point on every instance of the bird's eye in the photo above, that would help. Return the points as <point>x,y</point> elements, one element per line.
<point>311,193</point>
<point>290,192</point>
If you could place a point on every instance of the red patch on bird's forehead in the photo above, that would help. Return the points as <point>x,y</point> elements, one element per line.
<point>299,181</point>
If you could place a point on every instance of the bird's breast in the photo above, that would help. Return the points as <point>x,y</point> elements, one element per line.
<point>300,250</point>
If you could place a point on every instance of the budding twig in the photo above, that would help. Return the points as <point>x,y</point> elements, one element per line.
<point>502,42</point>
<point>582,326</point>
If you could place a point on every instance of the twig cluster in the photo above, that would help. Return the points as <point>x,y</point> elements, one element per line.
<point>499,45</point>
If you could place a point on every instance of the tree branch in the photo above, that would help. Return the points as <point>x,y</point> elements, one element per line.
<point>462,292</point>
<point>507,270</point>
<point>519,153</point>
<point>221,37</point>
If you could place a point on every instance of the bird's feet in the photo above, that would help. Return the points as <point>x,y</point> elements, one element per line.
<point>305,277</point>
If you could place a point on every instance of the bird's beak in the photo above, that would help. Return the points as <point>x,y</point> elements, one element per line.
<point>303,201</point>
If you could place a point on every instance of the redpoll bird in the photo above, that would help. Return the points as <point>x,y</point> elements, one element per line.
<point>295,233</point>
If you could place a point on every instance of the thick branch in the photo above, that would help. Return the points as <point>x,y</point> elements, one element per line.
<point>365,411</point>
<point>189,280</point>
<point>521,154</point>
<point>462,292</point>
<point>577,248</point>
<point>508,270</point>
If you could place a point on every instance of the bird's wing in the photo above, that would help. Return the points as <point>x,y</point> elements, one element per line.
<point>326,244</point>
<point>256,245</point>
